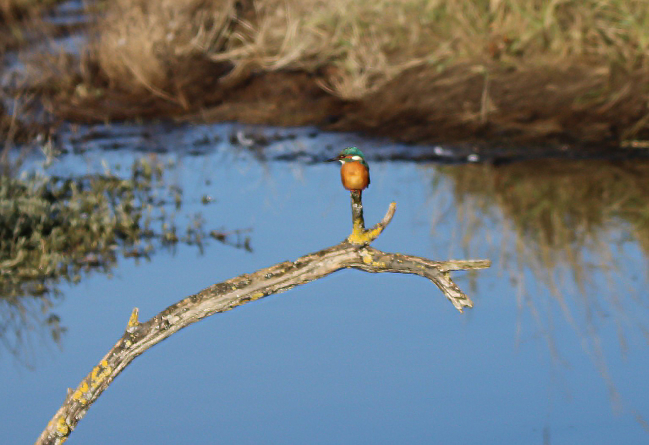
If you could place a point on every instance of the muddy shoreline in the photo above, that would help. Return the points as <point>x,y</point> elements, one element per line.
<point>542,107</point>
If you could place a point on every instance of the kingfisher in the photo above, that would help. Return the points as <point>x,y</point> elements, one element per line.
<point>354,171</point>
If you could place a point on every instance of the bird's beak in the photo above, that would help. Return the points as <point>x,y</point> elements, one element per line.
<point>337,158</point>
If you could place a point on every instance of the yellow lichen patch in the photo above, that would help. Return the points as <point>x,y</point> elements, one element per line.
<point>133,321</point>
<point>369,259</point>
<point>62,426</point>
<point>359,236</point>
<point>374,233</point>
<point>256,296</point>
<point>81,390</point>
<point>99,373</point>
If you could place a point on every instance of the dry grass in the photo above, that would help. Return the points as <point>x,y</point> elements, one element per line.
<point>14,15</point>
<point>14,10</point>
<point>20,24</point>
<point>160,46</point>
<point>365,43</point>
<point>149,58</point>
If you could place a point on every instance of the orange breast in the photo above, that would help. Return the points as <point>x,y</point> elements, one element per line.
<point>354,176</point>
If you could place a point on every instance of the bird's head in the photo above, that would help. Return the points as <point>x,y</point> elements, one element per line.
<point>350,154</point>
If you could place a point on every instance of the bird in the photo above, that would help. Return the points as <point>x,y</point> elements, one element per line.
<point>354,171</point>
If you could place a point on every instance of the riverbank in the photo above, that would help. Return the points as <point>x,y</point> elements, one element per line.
<point>570,75</point>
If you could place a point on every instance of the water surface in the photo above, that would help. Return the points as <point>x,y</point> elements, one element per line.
<point>554,351</point>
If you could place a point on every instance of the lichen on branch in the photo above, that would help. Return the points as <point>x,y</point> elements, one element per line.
<point>360,235</point>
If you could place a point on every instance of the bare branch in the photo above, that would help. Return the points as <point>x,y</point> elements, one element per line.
<point>227,295</point>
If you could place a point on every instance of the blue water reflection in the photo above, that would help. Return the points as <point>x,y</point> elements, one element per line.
<point>352,358</point>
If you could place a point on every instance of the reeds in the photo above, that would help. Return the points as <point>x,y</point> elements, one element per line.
<point>365,43</point>
<point>162,46</point>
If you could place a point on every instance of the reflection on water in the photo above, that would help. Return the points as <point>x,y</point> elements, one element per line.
<point>575,227</point>
<point>560,207</point>
<point>56,229</point>
<point>558,331</point>
<point>561,219</point>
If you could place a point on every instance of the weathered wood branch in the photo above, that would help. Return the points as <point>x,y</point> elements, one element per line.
<point>354,252</point>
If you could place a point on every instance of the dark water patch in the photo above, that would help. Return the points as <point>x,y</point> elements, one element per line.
<point>71,15</point>
<point>308,145</point>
